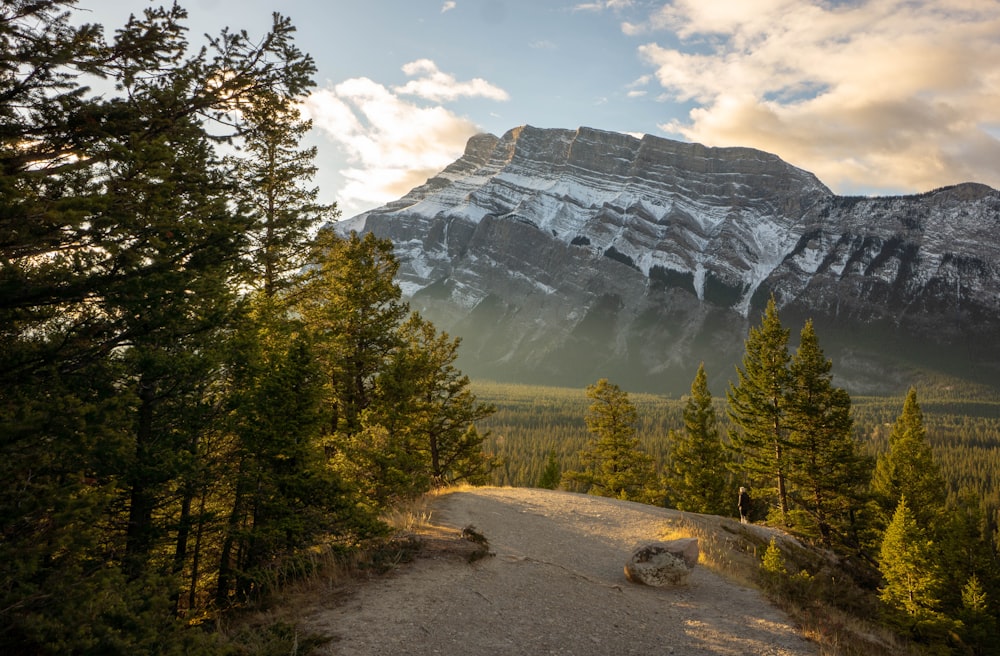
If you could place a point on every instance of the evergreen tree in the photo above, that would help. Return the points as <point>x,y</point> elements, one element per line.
<point>551,474</point>
<point>614,465</point>
<point>283,497</point>
<point>444,412</point>
<point>353,308</point>
<point>826,466</point>
<point>400,416</point>
<point>698,474</point>
<point>422,418</point>
<point>909,468</point>
<point>978,625</point>
<point>758,408</point>
<point>966,552</point>
<point>281,211</point>
<point>911,581</point>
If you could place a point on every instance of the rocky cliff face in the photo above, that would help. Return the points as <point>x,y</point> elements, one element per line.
<point>562,256</point>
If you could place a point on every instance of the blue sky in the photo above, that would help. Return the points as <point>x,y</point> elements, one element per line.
<point>873,96</point>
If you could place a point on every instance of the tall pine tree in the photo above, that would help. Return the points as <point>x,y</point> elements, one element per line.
<point>698,478</point>
<point>758,408</point>
<point>614,465</point>
<point>909,469</point>
<point>827,469</point>
<point>117,244</point>
<point>282,212</point>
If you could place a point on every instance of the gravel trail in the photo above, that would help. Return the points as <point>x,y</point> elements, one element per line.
<point>554,586</point>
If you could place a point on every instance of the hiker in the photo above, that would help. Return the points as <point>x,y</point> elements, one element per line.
<point>744,506</point>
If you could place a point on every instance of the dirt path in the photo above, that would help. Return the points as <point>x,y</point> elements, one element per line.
<point>554,586</point>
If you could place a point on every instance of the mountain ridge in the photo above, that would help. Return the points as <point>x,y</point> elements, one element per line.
<point>559,255</point>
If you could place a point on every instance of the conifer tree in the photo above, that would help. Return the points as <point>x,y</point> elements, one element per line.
<point>283,496</point>
<point>549,478</point>
<point>911,581</point>
<point>698,474</point>
<point>281,211</point>
<point>426,402</point>
<point>353,308</point>
<point>978,626</point>
<point>826,466</point>
<point>909,469</point>
<point>614,464</point>
<point>758,408</point>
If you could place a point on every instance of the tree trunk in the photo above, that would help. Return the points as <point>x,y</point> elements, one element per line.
<point>139,532</point>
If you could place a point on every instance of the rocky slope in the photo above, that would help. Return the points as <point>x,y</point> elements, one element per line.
<point>561,256</point>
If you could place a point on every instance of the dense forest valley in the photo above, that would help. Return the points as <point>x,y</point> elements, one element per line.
<point>533,421</point>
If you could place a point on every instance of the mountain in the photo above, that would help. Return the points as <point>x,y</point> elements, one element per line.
<point>563,256</point>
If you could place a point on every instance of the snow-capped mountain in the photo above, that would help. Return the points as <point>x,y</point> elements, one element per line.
<point>566,255</point>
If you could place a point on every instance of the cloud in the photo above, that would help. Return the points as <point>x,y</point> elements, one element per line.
<point>392,144</point>
<point>881,94</point>
<point>448,6</point>
<point>543,44</point>
<point>436,86</point>
<point>614,5</point>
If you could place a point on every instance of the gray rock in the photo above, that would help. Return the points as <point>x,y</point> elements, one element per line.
<point>663,563</point>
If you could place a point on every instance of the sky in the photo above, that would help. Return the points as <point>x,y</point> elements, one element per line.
<point>873,96</point>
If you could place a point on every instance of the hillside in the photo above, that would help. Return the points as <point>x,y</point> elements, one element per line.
<point>555,585</point>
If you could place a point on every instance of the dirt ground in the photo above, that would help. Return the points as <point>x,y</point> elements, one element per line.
<point>555,585</point>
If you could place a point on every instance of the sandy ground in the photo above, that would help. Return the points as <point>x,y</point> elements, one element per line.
<point>554,586</point>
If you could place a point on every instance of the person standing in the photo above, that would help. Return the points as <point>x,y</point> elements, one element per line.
<point>744,506</point>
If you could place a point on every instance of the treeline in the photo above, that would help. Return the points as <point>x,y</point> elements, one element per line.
<point>202,393</point>
<point>532,421</point>
<point>875,494</point>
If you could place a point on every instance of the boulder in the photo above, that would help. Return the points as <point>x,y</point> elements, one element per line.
<point>663,563</point>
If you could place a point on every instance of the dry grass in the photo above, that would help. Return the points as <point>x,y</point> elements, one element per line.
<point>330,574</point>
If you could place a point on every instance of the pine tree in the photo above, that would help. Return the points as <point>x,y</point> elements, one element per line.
<point>551,474</point>
<point>698,474</point>
<point>352,306</point>
<point>284,497</point>
<point>906,560</point>
<point>772,565</point>
<point>424,405</point>
<point>614,464</point>
<point>978,626</point>
<point>272,169</point>
<point>757,405</point>
<point>909,468</point>
<point>826,466</point>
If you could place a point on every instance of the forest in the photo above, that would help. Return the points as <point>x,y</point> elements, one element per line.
<point>533,421</point>
<point>206,393</point>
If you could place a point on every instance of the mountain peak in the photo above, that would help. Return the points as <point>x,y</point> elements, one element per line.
<point>647,254</point>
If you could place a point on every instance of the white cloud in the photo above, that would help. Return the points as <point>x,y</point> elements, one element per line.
<point>392,144</point>
<point>431,84</point>
<point>614,5</point>
<point>893,94</point>
<point>448,6</point>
